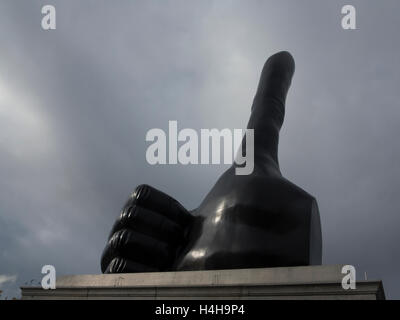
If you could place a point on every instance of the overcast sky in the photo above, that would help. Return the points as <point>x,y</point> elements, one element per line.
<point>76,103</point>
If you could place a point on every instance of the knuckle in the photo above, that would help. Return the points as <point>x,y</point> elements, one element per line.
<point>119,239</point>
<point>117,265</point>
<point>127,213</point>
<point>141,193</point>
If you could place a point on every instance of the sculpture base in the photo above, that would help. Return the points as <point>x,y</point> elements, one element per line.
<point>310,282</point>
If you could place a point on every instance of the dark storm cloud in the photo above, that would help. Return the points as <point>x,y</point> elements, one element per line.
<point>76,103</point>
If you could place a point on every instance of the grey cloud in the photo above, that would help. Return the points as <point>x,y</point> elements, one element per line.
<point>76,103</point>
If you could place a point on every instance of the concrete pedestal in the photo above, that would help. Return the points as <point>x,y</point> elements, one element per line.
<point>311,282</point>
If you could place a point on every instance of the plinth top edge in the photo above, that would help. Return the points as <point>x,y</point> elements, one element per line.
<point>255,276</point>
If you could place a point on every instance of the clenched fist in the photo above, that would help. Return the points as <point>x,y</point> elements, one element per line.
<point>245,221</point>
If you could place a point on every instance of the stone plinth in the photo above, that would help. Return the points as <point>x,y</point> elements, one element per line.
<point>311,282</point>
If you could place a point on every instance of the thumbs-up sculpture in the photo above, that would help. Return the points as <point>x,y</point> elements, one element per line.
<point>245,221</point>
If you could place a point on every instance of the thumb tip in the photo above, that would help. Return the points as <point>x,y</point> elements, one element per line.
<point>281,61</point>
<point>284,55</point>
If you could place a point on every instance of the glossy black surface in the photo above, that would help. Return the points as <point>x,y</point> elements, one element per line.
<point>245,221</point>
